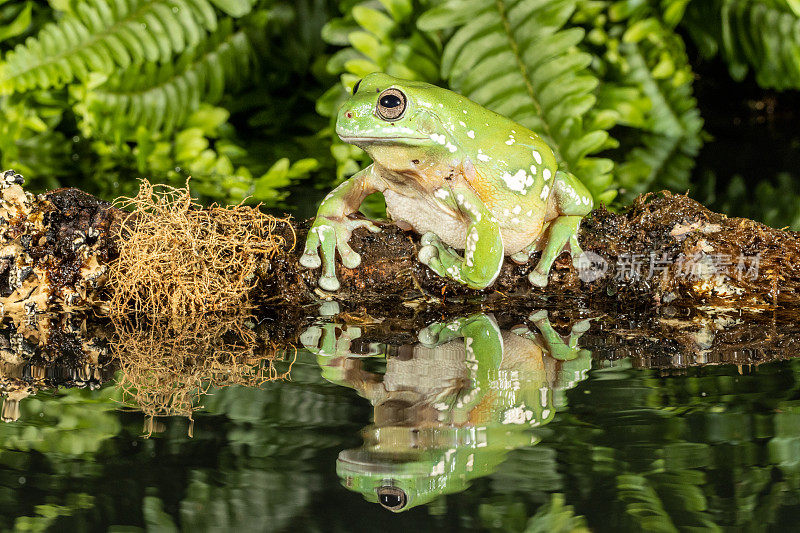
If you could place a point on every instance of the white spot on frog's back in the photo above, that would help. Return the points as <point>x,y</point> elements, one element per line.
<point>510,141</point>
<point>462,123</point>
<point>545,192</point>
<point>471,134</point>
<point>438,138</point>
<point>546,174</point>
<point>519,182</point>
<point>483,157</point>
<point>451,147</point>
<point>538,157</point>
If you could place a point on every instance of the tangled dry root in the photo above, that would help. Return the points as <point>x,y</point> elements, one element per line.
<point>177,260</point>
<point>187,275</point>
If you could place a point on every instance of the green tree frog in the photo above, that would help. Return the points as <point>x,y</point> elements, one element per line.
<point>463,177</point>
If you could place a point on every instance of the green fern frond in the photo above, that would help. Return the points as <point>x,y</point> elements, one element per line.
<point>763,35</point>
<point>517,58</point>
<point>672,136</point>
<point>159,97</point>
<point>646,91</point>
<point>101,36</point>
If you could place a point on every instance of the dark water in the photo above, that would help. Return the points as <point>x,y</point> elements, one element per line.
<point>470,428</point>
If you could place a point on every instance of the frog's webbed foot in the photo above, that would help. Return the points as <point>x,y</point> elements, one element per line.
<point>440,258</point>
<point>559,348</point>
<point>330,340</point>
<point>439,333</point>
<point>327,235</point>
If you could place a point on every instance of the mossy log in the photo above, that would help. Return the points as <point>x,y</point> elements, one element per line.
<point>58,250</point>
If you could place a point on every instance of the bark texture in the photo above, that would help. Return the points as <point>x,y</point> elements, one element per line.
<point>664,250</point>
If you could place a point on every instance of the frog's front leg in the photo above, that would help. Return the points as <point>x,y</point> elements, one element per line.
<point>332,227</point>
<point>483,246</point>
<point>573,201</point>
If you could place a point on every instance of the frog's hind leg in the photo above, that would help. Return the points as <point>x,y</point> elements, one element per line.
<point>483,247</point>
<point>573,202</point>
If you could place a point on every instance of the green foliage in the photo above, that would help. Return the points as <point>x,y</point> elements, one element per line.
<point>161,96</point>
<point>115,91</point>
<point>648,84</point>
<point>375,38</point>
<point>98,37</point>
<point>99,93</point>
<point>71,424</point>
<point>521,60</point>
<point>556,517</point>
<point>762,35</point>
<point>47,514</point>
<point>607,84</point>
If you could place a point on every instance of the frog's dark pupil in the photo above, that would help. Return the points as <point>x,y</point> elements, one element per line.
<point>391,100</point>
<point>355,87</point>
<point>390,500</point>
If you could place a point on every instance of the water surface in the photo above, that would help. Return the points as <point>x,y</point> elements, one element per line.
<point>475,428</point>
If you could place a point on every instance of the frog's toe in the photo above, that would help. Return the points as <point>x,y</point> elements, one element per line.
<point>427,253</point>
<point>520,258</point>
<point>537,279</point>
<point>428,336</point>
<point>520,330</point>
<point>538,316</point>
<point>430,239</point>
<point>329,283</point>
<point>582,326</point>
<point>350,258</point>
<point>310,259</point>
<point>310,337</point>
<point>371,226</point>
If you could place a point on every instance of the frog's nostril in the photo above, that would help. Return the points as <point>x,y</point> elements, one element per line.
<point>349,114</point>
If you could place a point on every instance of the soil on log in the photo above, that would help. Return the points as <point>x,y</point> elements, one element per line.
<point>664,249</point>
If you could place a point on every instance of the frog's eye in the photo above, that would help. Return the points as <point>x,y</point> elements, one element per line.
<point>391,104</point>
<point>392,498</point>
<point>355,87</point>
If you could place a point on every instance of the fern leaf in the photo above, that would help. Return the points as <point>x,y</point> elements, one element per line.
<point>101,36</point>
<point>160,97</point>
<point>672,134</point>
<point>517,58</point>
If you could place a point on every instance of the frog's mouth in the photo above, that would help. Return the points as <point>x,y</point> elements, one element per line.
<point>357,138</point>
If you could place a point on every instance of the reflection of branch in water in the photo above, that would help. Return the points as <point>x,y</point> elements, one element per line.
<point>49,352</point>
<point>449,408</point>
<point>165,370</point>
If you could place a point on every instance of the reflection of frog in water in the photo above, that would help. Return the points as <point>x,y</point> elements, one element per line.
<point>448,409</point>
